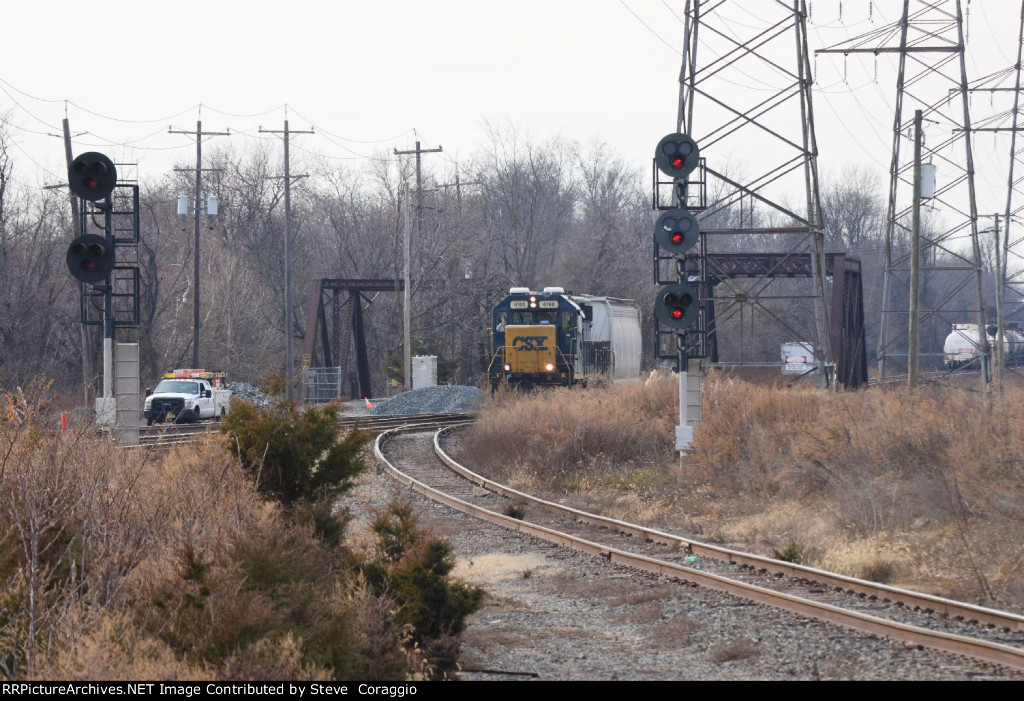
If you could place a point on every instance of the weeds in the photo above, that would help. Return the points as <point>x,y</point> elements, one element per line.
<point>791,553</point>
<point>731,651</point>
<point>576,436</point>
<point>882,484</point>
<point>877,463</point>
<point>135,565</point>
<point>515,510</point>
<point>675,632</point>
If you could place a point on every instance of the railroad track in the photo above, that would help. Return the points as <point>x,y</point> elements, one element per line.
<point>930,376</point>
<point>914,618</point>
<point>167,435</point>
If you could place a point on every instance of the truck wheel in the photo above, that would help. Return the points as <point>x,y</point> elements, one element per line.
<point>187,417</point>
<point>149,422</point>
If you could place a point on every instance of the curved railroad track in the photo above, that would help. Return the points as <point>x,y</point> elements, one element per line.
<point>167,435</point>
<point>914,618</point>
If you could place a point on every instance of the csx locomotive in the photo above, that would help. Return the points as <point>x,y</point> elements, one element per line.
<point>561,338</point>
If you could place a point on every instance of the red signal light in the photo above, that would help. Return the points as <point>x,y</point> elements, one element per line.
<point>676,231</point>
<point>92,176</point>
<point>90,258</point>
<point>677,306</point>
<point>677,155</point>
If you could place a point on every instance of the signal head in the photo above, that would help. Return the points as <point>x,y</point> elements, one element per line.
<point>677,306</point>
<point>677,231</point>
<point>92,176</point>
<point>90,258</point>
<point>677,155</point>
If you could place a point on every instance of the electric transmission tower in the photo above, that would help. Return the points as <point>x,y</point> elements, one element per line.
<point>763,277</point>
<point>1009,249</point>
<point>928,41</point>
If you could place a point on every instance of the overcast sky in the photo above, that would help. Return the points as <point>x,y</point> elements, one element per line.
<point>367,74</point>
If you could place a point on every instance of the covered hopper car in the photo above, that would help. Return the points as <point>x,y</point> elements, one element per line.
<point>559,338</point>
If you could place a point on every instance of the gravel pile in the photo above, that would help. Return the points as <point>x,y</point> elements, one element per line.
<point>442,399</point>
<point>248,391</point>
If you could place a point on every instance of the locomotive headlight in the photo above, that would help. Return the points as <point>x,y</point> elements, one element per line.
<point>508,368</point>
<point>550,367</point>
<point>533,302</point>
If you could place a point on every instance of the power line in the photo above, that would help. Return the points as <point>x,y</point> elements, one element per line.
<point>407,341</point>
<point>199,134</point>
<point>289,320</point>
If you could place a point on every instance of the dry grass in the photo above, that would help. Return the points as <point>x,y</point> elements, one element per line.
<point>640,594</point>
<point>841,667</point>
<point>676,632</point>
<point>134,565</point>
<point>580,438</point>
<point>941,470</point>
<point>923,489</point>
<point>587,588</point>
<point>733,650</point>
<point>648,612</point>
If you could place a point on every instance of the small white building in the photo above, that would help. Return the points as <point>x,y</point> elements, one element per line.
<point>424,371</point>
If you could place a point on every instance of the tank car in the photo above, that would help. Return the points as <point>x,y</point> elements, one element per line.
<point>559,338</point>
<point>962,345</point>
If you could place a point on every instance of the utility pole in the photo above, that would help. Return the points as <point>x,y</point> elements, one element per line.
<point>199,134</point>
<point>77,224</point>
<point>1000,359</point>
<point>406,299</point>
<point>458,185</point>
<point>419,180</point>
<point>289,321</point>
<point>913,341</point>
<point>419,151</point>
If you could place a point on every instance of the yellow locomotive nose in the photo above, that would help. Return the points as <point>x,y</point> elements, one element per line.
<point>530,349</point>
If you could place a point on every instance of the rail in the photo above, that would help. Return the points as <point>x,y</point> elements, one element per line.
<point>981,649</point>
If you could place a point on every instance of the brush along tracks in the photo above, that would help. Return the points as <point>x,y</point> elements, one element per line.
<point>887,612</point>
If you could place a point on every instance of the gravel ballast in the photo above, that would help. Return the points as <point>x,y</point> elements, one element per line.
<point>249,391</point>
<point>556,614</point>
<point>441,399</point>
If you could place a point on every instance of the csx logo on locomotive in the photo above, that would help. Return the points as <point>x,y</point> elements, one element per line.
<point>529,343</point>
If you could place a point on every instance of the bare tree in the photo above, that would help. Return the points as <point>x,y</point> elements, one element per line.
<point>531,191</point>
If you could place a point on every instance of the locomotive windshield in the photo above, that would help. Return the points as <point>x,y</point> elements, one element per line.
<point>565,320</point>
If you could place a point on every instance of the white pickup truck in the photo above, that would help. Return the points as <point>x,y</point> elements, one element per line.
<point>186,399</point>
